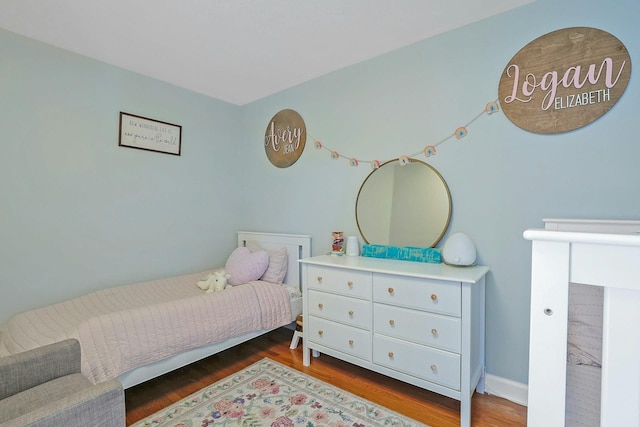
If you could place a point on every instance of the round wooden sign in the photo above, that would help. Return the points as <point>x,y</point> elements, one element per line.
<point>564,80</point>
<point>285,138</point>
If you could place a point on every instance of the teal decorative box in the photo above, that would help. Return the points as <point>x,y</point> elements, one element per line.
<point>404,253</point>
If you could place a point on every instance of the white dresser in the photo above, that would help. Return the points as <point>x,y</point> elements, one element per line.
<point>417,322</point>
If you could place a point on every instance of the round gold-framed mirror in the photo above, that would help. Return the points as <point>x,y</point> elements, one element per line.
<point>403,205</point>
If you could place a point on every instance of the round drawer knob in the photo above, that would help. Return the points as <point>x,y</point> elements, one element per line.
<point>392,322</point>
<point>351,342</point>
<point>390,290</point>
<point>434,297</point>
<point>319,279</point>
<point>320,306</point>
<point>350,284</point>
<point>320,332</point>
<point>350,313</point>
<point>391,355</point>
<point>434,368</point>
<point>434,332</point>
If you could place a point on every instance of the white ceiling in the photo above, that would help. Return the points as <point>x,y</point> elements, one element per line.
<point>239,50</point>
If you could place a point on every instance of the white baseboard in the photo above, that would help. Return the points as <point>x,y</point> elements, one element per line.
<point>506,389</point>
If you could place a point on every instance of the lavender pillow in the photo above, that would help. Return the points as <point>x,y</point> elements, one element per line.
<point>243,266</point>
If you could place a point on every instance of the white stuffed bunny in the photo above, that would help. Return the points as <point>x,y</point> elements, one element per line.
<point>214,282</point>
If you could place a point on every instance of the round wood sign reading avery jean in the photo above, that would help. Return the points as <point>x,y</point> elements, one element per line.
<point>285,138</point>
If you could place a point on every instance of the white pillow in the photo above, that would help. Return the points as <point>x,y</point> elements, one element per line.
<point>277,268</point>
<point>244,266</point>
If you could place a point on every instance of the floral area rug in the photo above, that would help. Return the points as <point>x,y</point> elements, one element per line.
<point>270,394</point>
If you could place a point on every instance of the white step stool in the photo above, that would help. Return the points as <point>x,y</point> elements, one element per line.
<point>297,334</point>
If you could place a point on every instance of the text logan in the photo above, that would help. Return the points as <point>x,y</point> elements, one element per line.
<point>549,82</point>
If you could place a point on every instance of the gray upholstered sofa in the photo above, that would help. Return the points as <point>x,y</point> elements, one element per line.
<point>44,387</point>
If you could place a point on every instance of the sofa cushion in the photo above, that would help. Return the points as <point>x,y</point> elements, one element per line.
<point>25,401</point>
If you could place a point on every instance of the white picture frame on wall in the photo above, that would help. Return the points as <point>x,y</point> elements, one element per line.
<point>148,134</point>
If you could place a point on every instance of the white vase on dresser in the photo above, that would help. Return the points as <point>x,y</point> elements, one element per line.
<point>417,322</point>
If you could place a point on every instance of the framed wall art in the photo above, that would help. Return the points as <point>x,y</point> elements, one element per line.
<point>148,134</point>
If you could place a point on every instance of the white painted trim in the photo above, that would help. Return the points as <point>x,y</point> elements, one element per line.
<point>506,389</point>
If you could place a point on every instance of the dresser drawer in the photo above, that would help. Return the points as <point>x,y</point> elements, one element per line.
<point>351,311</point>
<point>418,326</point>
<point>436,296</point>
<point>346,282</point>
<point>430,364</point>
<point>353,341</point>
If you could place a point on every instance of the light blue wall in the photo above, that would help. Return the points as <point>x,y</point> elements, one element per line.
<point>78,212</point>
<point>503,180</point>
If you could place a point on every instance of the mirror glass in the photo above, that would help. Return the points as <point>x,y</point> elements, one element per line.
<point>403,205</point>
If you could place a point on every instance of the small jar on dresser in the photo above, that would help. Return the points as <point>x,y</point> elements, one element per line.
<point>417,322</point>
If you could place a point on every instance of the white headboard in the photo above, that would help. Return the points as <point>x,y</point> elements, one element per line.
<point>298,247</point>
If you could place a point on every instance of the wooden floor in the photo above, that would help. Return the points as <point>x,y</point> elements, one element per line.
<point>414,402</point>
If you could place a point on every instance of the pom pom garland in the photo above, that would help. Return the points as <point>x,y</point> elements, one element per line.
<point>429,150</point>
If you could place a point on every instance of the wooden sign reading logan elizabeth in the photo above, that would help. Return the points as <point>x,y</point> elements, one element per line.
<point>564,80</point>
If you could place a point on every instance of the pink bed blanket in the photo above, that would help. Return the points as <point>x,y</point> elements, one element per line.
<point>126,327</point>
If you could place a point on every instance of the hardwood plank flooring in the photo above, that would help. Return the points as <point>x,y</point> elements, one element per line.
<point>414,402</point>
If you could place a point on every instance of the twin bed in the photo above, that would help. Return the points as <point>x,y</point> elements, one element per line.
<point>140,331</point>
